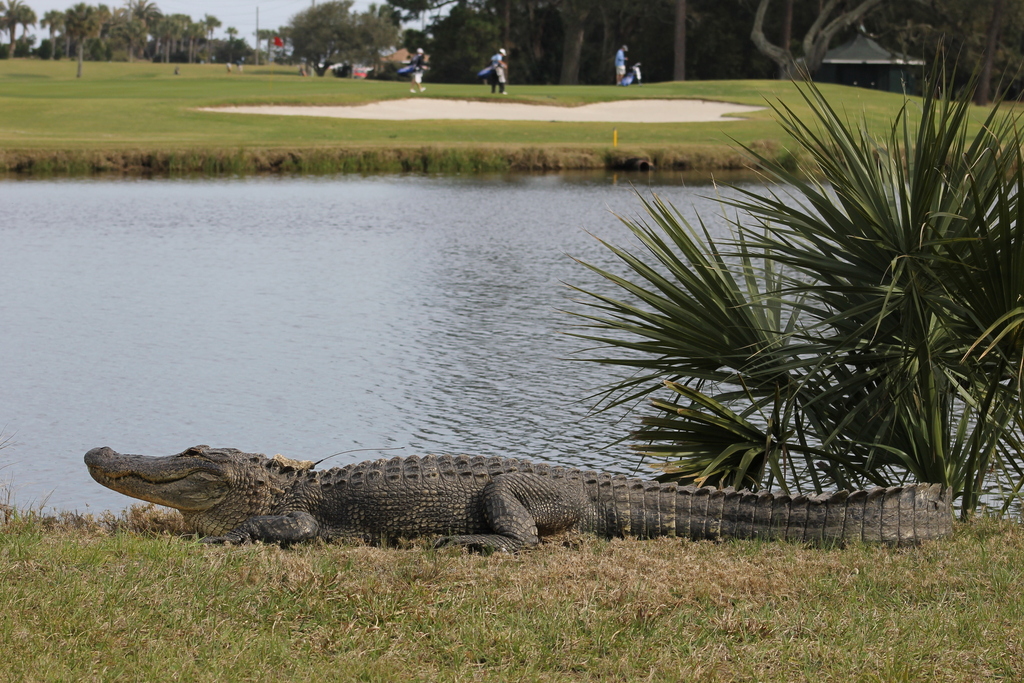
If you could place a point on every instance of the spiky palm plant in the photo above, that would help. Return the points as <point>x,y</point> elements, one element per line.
<point>865,324</point>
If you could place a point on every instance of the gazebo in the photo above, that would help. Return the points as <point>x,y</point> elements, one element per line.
<point>865,64</point>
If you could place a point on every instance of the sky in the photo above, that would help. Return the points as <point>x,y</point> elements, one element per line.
<point>240,14</point>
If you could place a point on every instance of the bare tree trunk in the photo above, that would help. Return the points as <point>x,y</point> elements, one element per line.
<point>574,16</point>
<point>507,37</point>
<point>787,32</point>
<point>679,71</point>
<point>995,26</point>
<point>81,55</point>
<point>815,42</point>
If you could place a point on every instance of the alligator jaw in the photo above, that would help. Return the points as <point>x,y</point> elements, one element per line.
<point>187,482</point>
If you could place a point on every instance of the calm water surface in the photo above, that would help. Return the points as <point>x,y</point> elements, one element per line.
<point>303,317</point>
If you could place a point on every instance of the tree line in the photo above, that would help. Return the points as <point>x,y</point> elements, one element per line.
<point>558,41</point>
<point>138,30</point>
<point>329,31</point>
<point>574,41</point>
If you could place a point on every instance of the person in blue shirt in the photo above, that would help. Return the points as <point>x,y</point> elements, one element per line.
<point>500,73</point>
<point>620,64</point>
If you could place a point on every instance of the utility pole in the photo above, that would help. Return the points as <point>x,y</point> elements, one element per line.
<point>257,35</point>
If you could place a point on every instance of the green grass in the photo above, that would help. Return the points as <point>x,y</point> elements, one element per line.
<point>135,117</point>
<point>82,602</point>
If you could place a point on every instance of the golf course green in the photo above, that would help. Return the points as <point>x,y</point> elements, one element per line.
<point>142,117</point>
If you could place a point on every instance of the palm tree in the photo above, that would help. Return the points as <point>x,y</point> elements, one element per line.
<point>54,20</point>
<point>865,325</point>
<point>25,17</point>
<point>11,12</point>
<point>193,32</point>
<point>146,12</point>
<point>170,29</point>
<point>232,32</point>
<point>80,22</point>
<point>128,30</point>
<point>179,30</point>
<point>160,30</point>
<point>210,23</point>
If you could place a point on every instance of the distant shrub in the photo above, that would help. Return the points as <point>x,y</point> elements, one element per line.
<point>388,71</point>
<point>97,50</point>
<point>23,48</point>
<point>5,52</point>
<point>45,49</point>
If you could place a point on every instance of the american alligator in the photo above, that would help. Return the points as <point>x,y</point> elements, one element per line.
<point>493,503</point>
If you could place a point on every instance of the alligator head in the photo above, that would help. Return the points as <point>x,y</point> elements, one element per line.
<point>214,488</point>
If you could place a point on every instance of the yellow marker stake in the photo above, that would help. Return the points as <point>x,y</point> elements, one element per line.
<point>615,137</point>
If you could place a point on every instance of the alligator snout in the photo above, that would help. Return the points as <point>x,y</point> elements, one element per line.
<point>99,456</point>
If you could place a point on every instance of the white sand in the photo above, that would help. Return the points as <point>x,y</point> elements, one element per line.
<point>410,109</point>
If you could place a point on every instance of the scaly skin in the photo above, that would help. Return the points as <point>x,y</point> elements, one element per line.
<point>500,504</point>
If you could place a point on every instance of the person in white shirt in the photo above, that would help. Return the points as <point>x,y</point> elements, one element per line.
<point>418,67</point>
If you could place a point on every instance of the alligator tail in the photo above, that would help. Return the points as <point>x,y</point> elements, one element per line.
<point>901,515</point>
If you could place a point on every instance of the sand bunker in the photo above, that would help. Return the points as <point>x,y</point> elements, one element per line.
<point>411,109</point>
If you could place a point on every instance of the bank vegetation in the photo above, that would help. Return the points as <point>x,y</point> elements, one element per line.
<point>125,597</point>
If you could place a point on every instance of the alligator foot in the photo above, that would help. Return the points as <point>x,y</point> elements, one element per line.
<point>481,543</point>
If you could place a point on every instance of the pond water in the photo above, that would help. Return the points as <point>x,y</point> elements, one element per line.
<point>303,316</point>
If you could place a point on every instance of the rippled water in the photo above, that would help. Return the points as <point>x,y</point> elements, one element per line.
<point>303,317</point>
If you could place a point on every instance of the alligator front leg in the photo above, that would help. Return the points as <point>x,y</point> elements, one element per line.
<point>293,527</point>
<point>519,507</point>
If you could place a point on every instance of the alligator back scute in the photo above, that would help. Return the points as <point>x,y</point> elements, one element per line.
<point>599,489</point>
<point>651,508</point>
<point>731,523</point>
<point>946,518</point>
<point>924,520</point>
<point>716,507</point>
<point>905,530</point>
<point>853,525</point>
<point>676,501</point>
<point>781,509</point>
<point>835,520</point>
<point>890,523</point>
<point>761,517</point>
<point>936,501</point>
<point>699,513</point>
<point>797,518</point>
<point>636,495</point>
<point>817,516</point>
<point>394,471</point>
<point>747,503</point>
<point>872,530</point>
<point>669,496</point>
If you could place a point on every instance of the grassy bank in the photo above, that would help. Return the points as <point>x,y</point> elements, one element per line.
<point>141,118</point>
<point>83,602</point>
<point>433,158</point>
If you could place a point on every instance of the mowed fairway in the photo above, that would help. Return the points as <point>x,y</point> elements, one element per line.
<point>144,106</point>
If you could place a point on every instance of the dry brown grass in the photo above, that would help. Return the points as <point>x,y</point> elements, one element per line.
<point>96,600</point>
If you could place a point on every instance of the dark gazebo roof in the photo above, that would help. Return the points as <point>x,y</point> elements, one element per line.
<point>863,50</point>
